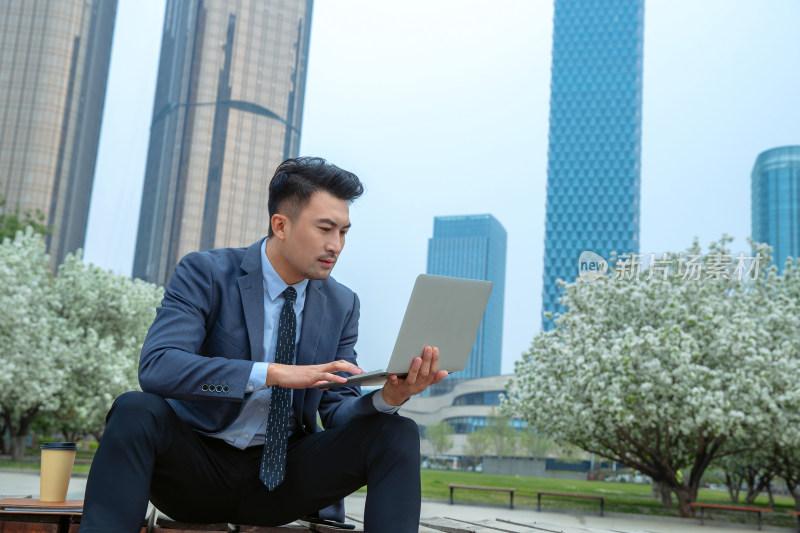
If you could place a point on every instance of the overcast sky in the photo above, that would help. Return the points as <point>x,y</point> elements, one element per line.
<point>441,107</point>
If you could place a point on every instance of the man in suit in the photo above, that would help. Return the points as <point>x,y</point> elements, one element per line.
<point>225,429</point>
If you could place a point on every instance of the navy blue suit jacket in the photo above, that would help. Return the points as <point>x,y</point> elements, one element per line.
<point>210,329</point>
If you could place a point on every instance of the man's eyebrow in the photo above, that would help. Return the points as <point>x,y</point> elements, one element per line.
<point>333,222</point>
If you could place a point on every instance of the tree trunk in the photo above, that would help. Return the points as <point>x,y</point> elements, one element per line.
<point>18,447</point>
<point>685,497</point>
<point>70,436</point>
<point>19,434</point>
<point>793,491</point>
<point>771,497</point>
<point>665,492</point>
<point>754,489</point>
<point>3,450</point>
<point>734,484</point>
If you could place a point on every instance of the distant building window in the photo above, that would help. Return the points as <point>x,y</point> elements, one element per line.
<point>463,425</point>
<point>467,424</point>
<point>480,398</point>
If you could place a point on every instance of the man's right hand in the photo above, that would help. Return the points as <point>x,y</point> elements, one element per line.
<point>305,376</point>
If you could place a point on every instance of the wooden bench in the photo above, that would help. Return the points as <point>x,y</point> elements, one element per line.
<point>797,514</point>
<point>704,506</point>
<point>20,515</point>
<point>540,493</point>
<point>27,515</point>
<point>167,525</point>
<point>510,491</point>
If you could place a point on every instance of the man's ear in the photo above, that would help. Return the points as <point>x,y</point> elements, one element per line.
<point>278,223</point>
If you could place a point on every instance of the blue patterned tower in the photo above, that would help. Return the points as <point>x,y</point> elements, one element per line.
<point>775,198</point>
<point>474,247</point>
<point>593,162</point>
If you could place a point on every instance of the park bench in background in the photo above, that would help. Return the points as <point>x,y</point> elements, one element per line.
<point>796,514</point>
<point>704,506</point>
<point>510,491</point>
<point>540,493</point>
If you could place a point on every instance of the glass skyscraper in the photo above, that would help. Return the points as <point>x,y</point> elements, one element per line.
<point>228,109</point>
<point>775,198</point>
<point>594,156</point>
<point>474,247</point>
<point>54,59</point>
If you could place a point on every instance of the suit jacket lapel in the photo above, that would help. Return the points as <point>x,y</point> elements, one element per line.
<point>310,332</point>
<point>251,289</point>
<point>313,318</point>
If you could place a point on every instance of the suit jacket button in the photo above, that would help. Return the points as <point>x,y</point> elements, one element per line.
<point>204,388</point>
<point>225,388</point>
<point>218,388</point>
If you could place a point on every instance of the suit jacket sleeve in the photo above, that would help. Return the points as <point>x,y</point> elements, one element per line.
<point>182,356</point>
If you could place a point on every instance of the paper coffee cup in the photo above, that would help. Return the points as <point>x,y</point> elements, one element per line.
<point>57,461</point>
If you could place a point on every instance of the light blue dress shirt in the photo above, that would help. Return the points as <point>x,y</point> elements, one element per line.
<point>250,426</point>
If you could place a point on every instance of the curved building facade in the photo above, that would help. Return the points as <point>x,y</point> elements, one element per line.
<point>228,109</point>
<point>467,407</point>
<point>775,197</point>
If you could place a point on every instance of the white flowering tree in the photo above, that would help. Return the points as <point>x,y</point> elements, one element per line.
<point>111,314</point>
<point>656,370</point>
<point>777,306</point>
<point>11,221</point>
<point>35,356</point>
<point>69,342</point>
<point>752,469</point>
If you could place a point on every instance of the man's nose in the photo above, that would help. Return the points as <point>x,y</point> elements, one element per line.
<point>335,244</point>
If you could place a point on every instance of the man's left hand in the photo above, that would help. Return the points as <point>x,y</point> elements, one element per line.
<point>423,373</point>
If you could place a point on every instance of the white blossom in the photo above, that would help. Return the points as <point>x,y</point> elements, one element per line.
<point>660,373</point>
<point>70,342</point>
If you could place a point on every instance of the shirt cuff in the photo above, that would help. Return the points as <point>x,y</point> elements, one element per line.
<point>381,405</point>
<point>258,377</point>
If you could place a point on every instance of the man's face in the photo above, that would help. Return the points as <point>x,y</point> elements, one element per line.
<point>314,238</point>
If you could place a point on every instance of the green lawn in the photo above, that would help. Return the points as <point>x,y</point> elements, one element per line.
<point>33,462</point>
<point>620,497</point>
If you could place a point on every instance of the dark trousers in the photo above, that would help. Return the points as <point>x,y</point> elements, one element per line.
<point>147,452</point>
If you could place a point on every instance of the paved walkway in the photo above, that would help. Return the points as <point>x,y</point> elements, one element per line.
<point>17,483</point>
<point>561,522</point>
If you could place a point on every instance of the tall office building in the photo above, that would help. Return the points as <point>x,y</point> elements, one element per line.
<point>594,157</point>
<point>775,199</point>
<point>228,109</point>
<point>474,247</point>
<point>54,60</point>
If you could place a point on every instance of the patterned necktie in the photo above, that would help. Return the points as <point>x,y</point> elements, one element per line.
<point>273,462</point>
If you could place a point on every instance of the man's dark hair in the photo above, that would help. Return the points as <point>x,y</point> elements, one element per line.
<point>295,180</point>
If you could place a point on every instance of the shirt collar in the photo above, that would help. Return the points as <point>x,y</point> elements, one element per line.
<point>273,284</point>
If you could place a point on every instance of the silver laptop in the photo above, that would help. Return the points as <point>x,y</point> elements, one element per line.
<point>443,312</point>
